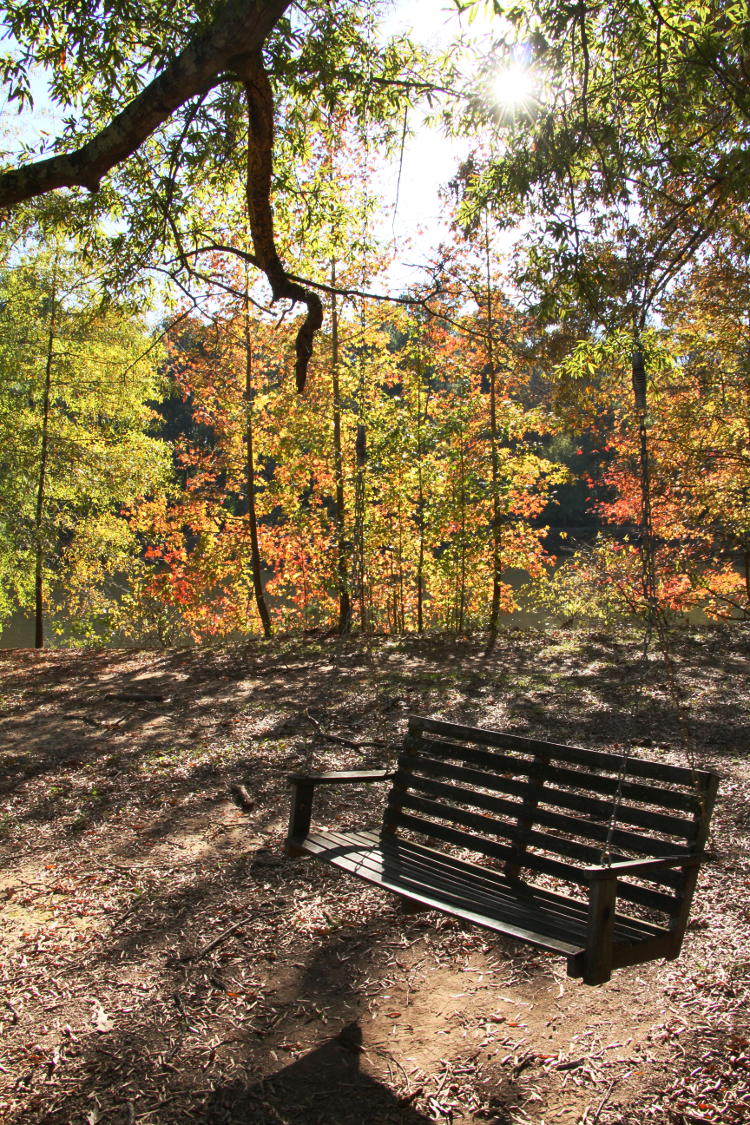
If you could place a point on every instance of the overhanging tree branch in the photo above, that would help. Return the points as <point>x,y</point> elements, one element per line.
<point>233,42</point>
<point>338,290</point>
<point>421,302</point>
<point>242,26</point>
<point>259,170</point>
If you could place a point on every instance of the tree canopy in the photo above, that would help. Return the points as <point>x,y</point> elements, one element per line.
<point>163,106</point>
<point>634,152</point>
<point>596,241</point>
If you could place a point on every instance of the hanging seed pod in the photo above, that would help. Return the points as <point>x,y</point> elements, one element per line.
<point>639,381</point>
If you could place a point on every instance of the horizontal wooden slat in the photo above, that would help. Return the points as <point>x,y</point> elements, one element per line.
<point>494,880</point>
<point>429,864</point>
<point>568,872</point>
<point>490,848</point>
<point>557,845</point>
<point>396,870</point>
<point>337,777</point>
<point>488,825</point>
<point>493,884</point>
<point>566,915</point>
<point>454,888</point>
<point>581,827</point>
<point>597,759</point>
<point>578,779</point>
<point>357,862</point>
<point>678,827</point>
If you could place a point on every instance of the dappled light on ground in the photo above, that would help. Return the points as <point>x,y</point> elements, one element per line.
<point>163,962</point>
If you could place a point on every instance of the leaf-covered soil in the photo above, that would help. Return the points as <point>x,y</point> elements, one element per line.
<point>163,962</point>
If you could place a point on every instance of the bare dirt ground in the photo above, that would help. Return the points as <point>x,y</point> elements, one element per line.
<point>163,962</point>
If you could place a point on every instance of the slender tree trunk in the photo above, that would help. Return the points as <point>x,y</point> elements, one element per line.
<point>461,615</point>
<point>359,524</point>
<point>41,489</point>
<point>305,592</point>
<point>647,545</point>
<point>252,517</point>
<point>360,493</point>
<point>420,499</point>
<point>494,454</point>
<point>345,609</point>
<point>401,617</point>
<point>746,494</point>
<point>420,573</point>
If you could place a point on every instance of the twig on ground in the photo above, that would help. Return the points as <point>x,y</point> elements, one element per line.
<point>138,697</point>
<point>241,797</point>
<point>602,1103</point>
<point>217,940</point>
<point>354,745</point>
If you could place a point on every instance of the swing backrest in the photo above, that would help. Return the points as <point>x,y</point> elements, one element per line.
<point>544,811</point>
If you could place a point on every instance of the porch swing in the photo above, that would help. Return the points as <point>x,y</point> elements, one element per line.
<point>571,834</point>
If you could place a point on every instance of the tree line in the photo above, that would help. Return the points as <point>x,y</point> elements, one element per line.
<point>225,142</point>
<point>173,483</point>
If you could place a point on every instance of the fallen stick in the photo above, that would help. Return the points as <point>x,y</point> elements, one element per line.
<point>257,913</point>
<point>602,1103</point>
<point>217,940</point>
<point>242,797</point>
<point>350,742</point>
<point>138,696</point>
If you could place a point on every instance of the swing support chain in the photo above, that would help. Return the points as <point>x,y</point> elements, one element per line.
<point>606,854</point>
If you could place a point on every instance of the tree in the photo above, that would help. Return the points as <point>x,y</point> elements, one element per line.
<point>178,88</point>
<point>698,458</point>
<point>628,159</point>
<point>637,135</point>
<point>707,436</point>
<point>74,389</point>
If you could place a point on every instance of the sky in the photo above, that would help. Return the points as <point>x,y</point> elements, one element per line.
<point>430,159</point>
<point>416,215</point>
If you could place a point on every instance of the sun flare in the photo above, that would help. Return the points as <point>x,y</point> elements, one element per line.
<point>514,87</point>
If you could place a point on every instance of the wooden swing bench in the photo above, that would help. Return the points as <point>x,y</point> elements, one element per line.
<point>545,820</point>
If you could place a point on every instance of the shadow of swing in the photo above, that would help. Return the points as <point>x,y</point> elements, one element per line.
<point>324,1087</point>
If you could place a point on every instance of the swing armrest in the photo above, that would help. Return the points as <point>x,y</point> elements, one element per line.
<point>303,790</point>
<point>596,963</point>
<point>642,866</point>
<point>336,777</point>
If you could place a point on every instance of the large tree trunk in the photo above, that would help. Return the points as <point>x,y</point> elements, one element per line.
<point>260,124</point>
<point>240,29</point>
<point>231,45</point>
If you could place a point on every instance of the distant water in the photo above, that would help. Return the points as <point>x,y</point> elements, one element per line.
<point>19,629</point>
<point>18,632</point>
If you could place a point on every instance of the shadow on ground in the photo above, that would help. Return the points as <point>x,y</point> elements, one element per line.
<point>164,963</point>
<point>325,1087</point>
